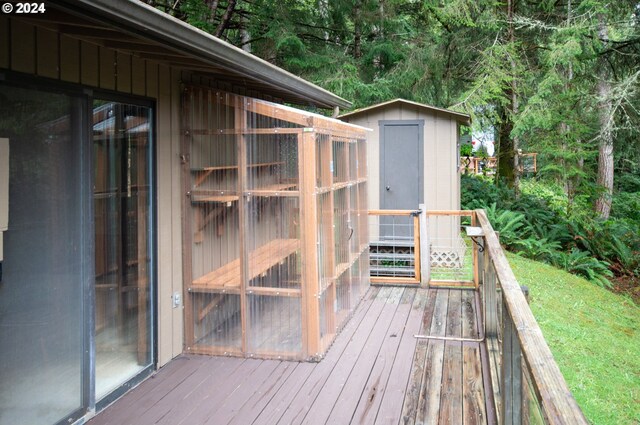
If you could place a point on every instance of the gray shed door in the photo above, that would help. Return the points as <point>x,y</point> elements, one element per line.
<point>401,164</point>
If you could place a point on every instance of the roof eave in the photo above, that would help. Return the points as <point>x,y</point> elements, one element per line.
<point>205,47</point>
<point>459,116</point>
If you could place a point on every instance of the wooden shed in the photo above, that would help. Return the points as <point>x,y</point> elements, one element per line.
<point>157,198</point>
<point>413,158</point>
<point>413,154</point>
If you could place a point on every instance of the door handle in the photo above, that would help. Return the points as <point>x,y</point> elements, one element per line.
<point>388,188</point>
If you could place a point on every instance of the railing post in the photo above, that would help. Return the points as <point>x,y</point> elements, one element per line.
<point>490,296</point>
<point>512,383</point>
<point>425,252</point>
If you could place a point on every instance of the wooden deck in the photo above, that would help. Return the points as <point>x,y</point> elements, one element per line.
<point>376,372</point>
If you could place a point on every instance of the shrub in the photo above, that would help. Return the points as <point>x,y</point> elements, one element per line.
<point>583,264</point>
<point>539,224</point>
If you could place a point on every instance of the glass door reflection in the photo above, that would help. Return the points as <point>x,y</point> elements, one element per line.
<point>121,149</point>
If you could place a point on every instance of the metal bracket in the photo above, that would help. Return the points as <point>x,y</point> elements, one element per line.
<point>474,233</point>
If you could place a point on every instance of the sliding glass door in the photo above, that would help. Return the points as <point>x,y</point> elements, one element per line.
<point>76,263</point>
<point>44,270</point>
<point>122,208</point>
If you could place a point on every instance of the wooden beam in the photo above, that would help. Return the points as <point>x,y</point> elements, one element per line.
<point>416,246</point>
<point>310,284</point>
<point>240,121</point>
<point>392,212</point>
<point>468,213</point>
<point>391,280</point>
<point>187,231</point>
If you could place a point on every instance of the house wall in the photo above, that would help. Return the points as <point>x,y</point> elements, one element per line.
<point>441,177</point>
<point>44,53</point>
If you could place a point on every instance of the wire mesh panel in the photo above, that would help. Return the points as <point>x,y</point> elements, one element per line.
<point>394,247</point>
<point>452,254</point>
<point>212,184</point>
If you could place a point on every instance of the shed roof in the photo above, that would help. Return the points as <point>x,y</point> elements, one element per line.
<point>458,116</point>
<point>135,27</point>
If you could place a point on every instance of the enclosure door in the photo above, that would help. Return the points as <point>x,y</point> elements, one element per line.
<point>46,265</point>
<point>401,168</point>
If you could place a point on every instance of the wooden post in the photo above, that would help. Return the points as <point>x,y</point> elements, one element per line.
<point>425,252</point>
<point>187,232</point>
<point>416,246</point>
<point>511,373</point>
<point>490,296</point>
<point>240,123</point>
<point>142,210</point>
<point>474,254</point>
<point>310,284</point>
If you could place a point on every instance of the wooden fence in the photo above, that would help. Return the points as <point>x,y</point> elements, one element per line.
<point>488,165</point>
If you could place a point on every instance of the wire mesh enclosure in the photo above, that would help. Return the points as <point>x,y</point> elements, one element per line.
<point>275,234</point>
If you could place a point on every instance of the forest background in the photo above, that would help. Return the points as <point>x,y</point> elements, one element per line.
<point>557,77</point>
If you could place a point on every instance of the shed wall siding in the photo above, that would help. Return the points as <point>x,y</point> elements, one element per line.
<point>45,53</point>
<point>441,178</point>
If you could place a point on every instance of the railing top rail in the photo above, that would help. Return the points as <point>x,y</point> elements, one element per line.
<point>557,402</point>
<point>450,212</point>
<point>394,212</point>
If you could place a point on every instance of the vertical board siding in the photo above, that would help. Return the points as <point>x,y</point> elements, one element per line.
<point>123,72</point>
<point>47,64</point>
<point>23,56</point>
<point>138,73</point>
<point>455,174</point>
<point>165,242</point>
<point>89,69</point>
<point>69,59</point>
<point>108,68</point>
<point>5,39</point>
<point>176,210</point>
<point>151,83</point>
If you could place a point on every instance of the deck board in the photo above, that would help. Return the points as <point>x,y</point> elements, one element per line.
<point>430,391</point>
<point>348,369</point>
<point>391,407</point>
<point>376,372</point>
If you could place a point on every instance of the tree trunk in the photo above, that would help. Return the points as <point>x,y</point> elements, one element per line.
<point>323,11</point>
<point>213,7</point>
<point>505,152</point>
<point>245,35</point>
<point>357,29</point>
<point>226,18</point>
<point>508,159</point>
<point>605,147</point>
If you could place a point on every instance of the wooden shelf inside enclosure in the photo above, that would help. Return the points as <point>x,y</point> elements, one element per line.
<point>227,277</point>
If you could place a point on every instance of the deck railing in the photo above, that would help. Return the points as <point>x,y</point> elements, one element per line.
<point>528,163</point>
<point>527,383</point>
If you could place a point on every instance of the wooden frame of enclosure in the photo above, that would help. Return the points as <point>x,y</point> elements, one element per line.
<point>393,280</point>
<point>274,226</point>
<point>461,283</point>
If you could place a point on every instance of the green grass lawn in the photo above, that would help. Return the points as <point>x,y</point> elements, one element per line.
<point>594,336</point>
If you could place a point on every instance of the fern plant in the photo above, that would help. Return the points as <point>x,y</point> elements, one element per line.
<point>583,264</point>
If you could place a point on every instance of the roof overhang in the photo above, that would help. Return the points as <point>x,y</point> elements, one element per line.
<point>458,116</point>
<point>137,28</point>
